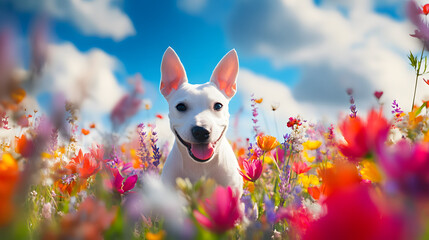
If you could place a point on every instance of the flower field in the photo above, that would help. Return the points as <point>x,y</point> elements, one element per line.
<point>365,177</point>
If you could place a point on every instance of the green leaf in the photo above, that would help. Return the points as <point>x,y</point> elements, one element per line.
<point>420,109</point>
<point>413,60</point>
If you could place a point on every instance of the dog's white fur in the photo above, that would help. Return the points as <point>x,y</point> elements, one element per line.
<point>199,100</point>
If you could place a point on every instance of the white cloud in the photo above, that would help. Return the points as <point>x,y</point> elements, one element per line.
<point>334,50</point>
<point>102,18</point>
<point>192,6</point>
<point>276,93</point>
<point>86,79</point>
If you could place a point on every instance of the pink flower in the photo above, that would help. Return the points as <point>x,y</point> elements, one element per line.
<point>252,170</point>
<point>280,155</point>
<point>222,210</point>
<point>121,185</point>
<point>407,165</point>
<point>300,167</point>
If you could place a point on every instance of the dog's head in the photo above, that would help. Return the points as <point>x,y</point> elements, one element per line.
<point>198,113</point>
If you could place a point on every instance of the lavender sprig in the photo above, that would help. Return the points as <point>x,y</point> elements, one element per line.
<point>254,114</point>
<point>156,153</point>
<point>396,109</point>
<point>352,102</point>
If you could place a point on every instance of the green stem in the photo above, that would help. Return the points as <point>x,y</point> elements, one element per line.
<point>417,76</point>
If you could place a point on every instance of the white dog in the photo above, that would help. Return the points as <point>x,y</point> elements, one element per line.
<point>199,119</point>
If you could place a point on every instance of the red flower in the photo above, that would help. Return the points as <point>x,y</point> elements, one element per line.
<point>426,80</point>
<point>378,94</point>
<point>120,184</point>
<point>222,210</point>
<point>293,121</point>
<point>252,169</point>
<point>361,137</point>
<point>299,219</point>
<point>300,167</point>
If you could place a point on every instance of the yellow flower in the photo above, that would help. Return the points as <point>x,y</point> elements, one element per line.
<point>370,171</point>
<point>326,165</point>
<point>414,119</point>
<point>155,236</point>
<point>267,143</point>
<point>306,181</point>
<point>268,159</point>
<point>308,158</point>
<point>46,155</point>
<point>312,145</point>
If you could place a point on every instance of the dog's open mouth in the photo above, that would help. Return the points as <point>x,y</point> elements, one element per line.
<point>200,152</point>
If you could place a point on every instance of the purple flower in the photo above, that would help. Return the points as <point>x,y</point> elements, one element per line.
<point>156,153</point>
<point>269,210</point>
<point>415,12</point>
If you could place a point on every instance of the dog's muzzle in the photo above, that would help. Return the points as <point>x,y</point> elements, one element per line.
<point>201,151</point>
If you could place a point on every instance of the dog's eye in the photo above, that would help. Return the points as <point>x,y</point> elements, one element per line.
<point>181,107</point>
<point>217,106</point>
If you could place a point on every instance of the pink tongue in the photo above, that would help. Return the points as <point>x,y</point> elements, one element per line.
<point>202,151</point>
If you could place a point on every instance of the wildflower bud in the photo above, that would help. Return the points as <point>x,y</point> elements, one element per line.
<point>425,9</point>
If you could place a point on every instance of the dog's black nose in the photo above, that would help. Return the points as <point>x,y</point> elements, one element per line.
<point>200,134</point>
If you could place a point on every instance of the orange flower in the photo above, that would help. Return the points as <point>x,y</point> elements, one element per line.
<point>85,131</point>
<point>156,236</point>
<point>314,192</point>
<point>18,95</point>
<point>92,125</point>
<point>89,166</point>
<point>259,100</point>
<point>9,173</point>
<point>342,176</point>
<point>23,146</point>
<point>65,186</point>
<point>266,142</point>
<point>86,165</point>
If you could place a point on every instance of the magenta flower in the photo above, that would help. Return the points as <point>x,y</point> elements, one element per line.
<point>221,210</point>
<point>415,13</point>
<point>121,184</point>
<point>407,165</point>
<point>252,170</point>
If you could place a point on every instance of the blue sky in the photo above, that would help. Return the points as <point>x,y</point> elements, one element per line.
<point>308,52</point>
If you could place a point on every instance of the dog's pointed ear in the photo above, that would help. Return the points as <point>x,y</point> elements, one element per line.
<point>172,72</point>
<point>225,74</point>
